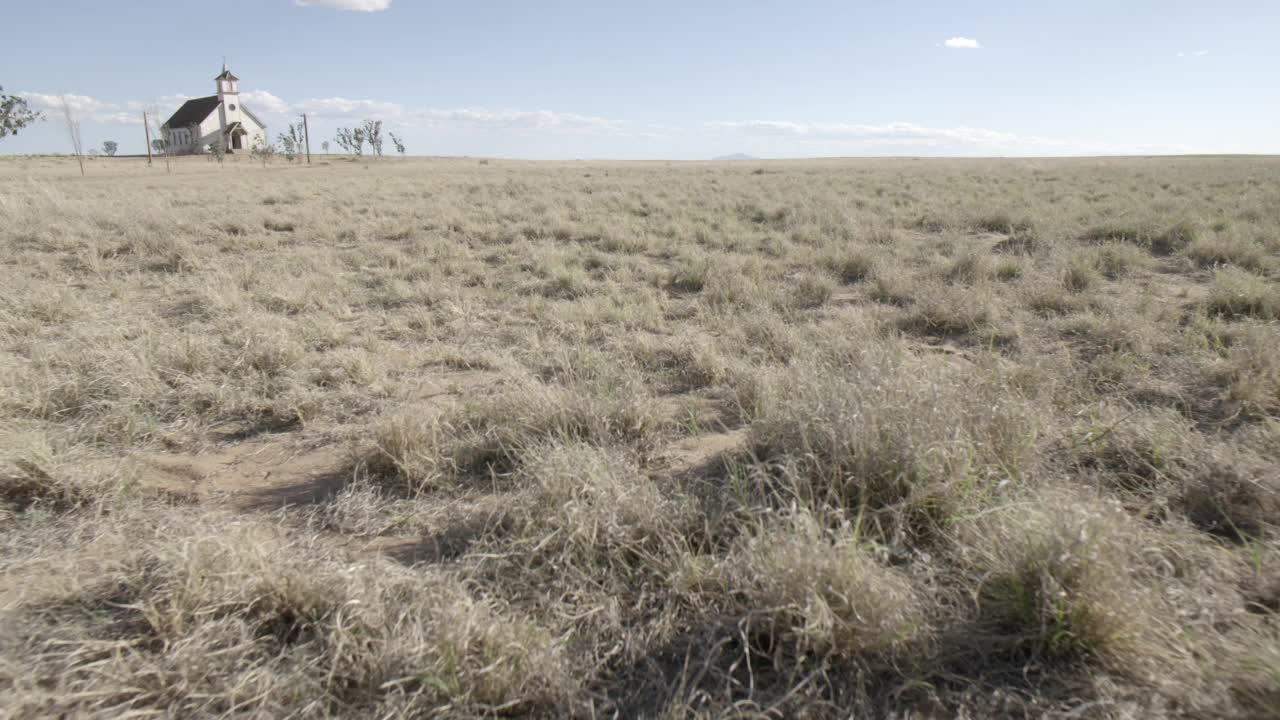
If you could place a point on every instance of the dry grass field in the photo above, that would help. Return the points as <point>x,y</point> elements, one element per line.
<point>911,438</point>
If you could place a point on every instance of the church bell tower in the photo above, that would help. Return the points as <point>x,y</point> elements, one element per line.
<point>228,84</point>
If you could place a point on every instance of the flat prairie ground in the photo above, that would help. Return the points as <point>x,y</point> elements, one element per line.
<point>422,438</point>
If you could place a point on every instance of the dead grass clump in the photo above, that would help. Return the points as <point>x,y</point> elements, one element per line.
<point>903,441</point>
<point>764,337</point>
<point>1079,275</point>
<point>691,274</point>
<point>1255,674</point>
<point>593,506</point>
<point>486,438</point>
<point>1249,377</point>
<point>1019,242</point>
<point>1117,260</point>
<point>1160,463</point>
<point>1237,294</point>
<point>1155,239</point>
<point>811,290</point>
<point>568,283</point>
<point>1141,452</point>
<point>893,289</point>
<point>1008,270</point>
<point>950,312</point>
<point>688,364</point>
<point>971,267</point>
<point>1056,585</point>
<point>731,292</point>
<point>1232,501</point>
<point>851,266</point>
<point>239,618</point>
<point>1003,223</point>
<point>1216,250</point>
<point>33,479</point>
<point>1048,298</point>
<point>409,455</point>
<point>818,590</point>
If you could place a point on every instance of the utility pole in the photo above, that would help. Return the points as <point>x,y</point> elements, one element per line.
<point>306,134</point>
<point>147,128</point>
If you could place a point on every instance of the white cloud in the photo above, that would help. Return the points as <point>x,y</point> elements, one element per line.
<point>338,107</point>
<point>85,107</point>
<point>261,100</point>
<point>908,138</point>
<point>526,120</point>
<point>358,5</point>
<point>962,43</point>
<point>1195,53</point>
<point>893,132</point>
<point>78,103</point>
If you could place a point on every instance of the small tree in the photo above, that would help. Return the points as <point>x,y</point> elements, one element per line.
<point>14,114</point>
<point>109,147</point>
<point>373,133</point>
<point>217,151</point>
<point>160,136</point>
<point>293,141</point>
<point>263,150</point>
<point>325,147</point>
<point>351,140</point>
<point>289,147</point>
<point>395,140</point>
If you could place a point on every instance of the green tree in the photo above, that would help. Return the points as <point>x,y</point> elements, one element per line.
<point>14,114</point>
<point>293,141</point>
<point>109,147</point>
<point>398,142</point>
<point>351,140</point>
<point>373,133</point>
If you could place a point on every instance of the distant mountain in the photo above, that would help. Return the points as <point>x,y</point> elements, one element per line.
<point>737,156</point>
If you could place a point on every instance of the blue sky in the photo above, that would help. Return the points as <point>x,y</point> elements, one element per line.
<point>675,79</point>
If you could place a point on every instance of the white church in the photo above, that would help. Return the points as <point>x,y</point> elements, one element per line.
<point>200,123</point>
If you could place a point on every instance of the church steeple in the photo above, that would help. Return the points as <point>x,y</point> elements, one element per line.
<point>228,84</point>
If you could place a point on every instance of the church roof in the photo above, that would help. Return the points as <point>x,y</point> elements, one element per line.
<point>226,75</point>
<point>195,111</point>
<point>192,112</point>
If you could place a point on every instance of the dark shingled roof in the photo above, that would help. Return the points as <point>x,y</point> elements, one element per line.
<point>226,75</point>
<point>192,112</point>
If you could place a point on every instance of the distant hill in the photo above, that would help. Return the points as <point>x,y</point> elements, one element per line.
<point>737,156</point>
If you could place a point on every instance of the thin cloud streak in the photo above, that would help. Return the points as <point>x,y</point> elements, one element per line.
<point>354,5</point>
<point>962,43</point>
<point>837,138</point>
